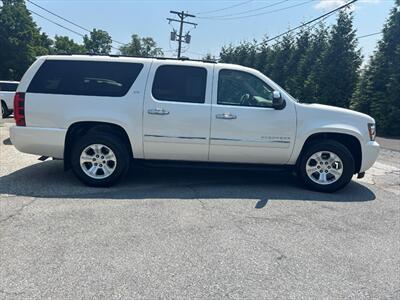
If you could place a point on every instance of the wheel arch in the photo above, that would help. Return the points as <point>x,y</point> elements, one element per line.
<point>351,142</point>
<point>81,128</point>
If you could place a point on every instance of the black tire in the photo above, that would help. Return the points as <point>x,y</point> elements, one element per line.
<point>341,151</point>
<point>4,110</point>
<point>111,141</point>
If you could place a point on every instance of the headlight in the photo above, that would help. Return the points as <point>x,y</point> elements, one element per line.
<point>372,131</point>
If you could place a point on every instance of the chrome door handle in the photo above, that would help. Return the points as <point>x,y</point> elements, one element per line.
<point>226,116</point>
<point>158,111</point>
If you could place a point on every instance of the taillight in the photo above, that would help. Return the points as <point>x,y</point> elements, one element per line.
<point>19,109</point>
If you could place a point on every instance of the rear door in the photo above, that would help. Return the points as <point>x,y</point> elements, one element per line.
<point>177,107</point>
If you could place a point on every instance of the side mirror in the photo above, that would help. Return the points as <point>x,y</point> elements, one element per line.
<point>277,101</point>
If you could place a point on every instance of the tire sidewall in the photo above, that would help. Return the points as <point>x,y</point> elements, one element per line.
<point>115,144</point>
<point>341,151</point>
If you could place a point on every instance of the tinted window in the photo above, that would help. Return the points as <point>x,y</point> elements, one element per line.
<point>8,87</point>
<point>90,78</point>
<point>180,84</point>
<point>243,89</point>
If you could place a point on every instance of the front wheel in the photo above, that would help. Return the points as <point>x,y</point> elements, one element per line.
<point>99,160</point>
<point>326,166</point>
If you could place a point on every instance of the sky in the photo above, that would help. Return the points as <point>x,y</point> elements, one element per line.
<point>220,22</point>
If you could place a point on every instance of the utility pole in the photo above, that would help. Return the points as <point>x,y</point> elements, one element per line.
<point>180,37</point>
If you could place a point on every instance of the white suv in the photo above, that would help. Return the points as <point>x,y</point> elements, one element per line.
<point>7,92</point>
<point>99,112</point>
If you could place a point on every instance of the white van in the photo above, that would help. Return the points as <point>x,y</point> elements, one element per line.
<point>7,93</point>
<point>99,112</point>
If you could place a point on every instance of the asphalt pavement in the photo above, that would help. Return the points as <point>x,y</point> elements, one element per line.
<point>195,234</point>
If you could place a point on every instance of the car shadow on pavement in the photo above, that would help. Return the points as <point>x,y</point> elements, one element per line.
<point>48,180</point>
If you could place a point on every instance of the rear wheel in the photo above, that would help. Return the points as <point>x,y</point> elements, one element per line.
<point>99,160</point>
<point>326,166</point>
<point>4,110</point>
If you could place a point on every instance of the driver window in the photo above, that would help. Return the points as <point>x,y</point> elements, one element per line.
<point>243,89</point>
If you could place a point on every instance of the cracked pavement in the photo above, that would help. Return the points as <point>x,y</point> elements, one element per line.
<point>204,234</point>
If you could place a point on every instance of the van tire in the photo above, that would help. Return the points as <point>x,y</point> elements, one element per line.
<point>327,146</point>
<point>118,150</point>
<point>4,110</point>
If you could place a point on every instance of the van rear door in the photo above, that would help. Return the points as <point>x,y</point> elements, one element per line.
<point>176,121</point>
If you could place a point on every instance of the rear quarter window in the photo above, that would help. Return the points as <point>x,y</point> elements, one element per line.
<point>86,78</point>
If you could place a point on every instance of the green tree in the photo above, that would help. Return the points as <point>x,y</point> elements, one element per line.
<point>65,45</point>
<point>20,40</point>
<point>280,56</point>
<point>340,63</point>
<point>297,70</point>
<point>144,47</point>
<point>311,89</point>
<point>378,91</point>
<point>99,42</point>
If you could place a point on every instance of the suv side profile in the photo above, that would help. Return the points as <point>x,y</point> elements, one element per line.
<point>100,112</point>
<point>7,92</point>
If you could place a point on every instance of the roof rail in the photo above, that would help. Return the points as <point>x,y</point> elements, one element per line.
<point>137,56</point>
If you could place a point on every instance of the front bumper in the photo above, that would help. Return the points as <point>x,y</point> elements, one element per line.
<point>370,154</point>
<point>39,141</point>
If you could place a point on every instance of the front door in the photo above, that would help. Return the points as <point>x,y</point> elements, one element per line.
<point>244,126</point>
<point>176,121</point>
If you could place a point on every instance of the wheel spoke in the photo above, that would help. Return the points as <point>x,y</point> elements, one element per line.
<point>336,173</point>
<point>322,177</point>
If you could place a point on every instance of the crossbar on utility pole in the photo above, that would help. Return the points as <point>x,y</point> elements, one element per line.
<point>182,16</point>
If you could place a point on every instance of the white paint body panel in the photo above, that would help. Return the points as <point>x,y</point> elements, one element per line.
<point>183,133</point>
<point>190,131</point>
<point>256,135</point>
<point>8,97</point>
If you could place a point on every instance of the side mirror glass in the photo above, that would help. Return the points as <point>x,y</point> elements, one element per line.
<point>277,101</point>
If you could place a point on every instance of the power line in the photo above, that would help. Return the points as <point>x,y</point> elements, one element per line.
<point>58,16</point>
<point>263,13</point>
<point>313,20</point>
<point>371,34</point>
<point>246,11</point>
<point>62,26</point>
<point>225,8</point>
<point>51,21</point>
<point>66,20</point>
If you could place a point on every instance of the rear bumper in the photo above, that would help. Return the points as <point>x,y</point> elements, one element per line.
<point>369,155</point>
<point>39,141</point>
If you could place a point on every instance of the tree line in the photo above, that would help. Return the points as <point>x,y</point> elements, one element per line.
<point>324,65</point>
<point>318,64</point>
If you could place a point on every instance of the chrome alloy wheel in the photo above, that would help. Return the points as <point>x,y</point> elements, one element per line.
<point>324,167</point>
<point>98,161</point>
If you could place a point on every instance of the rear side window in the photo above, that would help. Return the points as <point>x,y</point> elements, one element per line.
<point>8,87</point>
<point>87,78</point>
<point>180,84</point>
